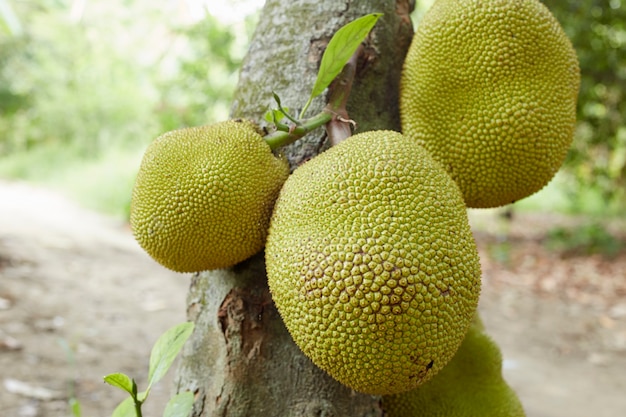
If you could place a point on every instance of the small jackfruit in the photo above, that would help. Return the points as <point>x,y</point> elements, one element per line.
<point>489,88</point>
<point>372,264</point>
<point>203,196</point>
<point>471,385</point>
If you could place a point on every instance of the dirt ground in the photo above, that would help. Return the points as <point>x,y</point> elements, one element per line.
<point>79,300</point>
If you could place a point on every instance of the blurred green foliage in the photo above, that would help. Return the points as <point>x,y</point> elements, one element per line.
<point>9,22</point>
<point>85,86</point>
<point>597,160</point>
<point>88,88</point>
<point>201,89</point>
<point>586,239</point>
<point>65,88</point>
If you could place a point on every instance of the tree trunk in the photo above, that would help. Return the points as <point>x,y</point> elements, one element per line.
<point>241,361</point>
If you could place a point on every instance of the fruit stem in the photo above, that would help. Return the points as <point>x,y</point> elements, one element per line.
<point>281,138</point>
<point>334,115</point>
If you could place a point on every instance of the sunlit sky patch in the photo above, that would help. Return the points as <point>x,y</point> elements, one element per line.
<point>226,11</point>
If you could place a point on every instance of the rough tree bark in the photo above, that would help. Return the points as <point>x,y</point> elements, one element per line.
<point>241,361</point>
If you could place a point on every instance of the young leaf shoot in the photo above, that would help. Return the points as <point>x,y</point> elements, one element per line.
<point>339,50</point>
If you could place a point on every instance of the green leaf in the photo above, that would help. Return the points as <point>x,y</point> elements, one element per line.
<point>275,115</point>
<point>340,48</point>
<point>141,397</point>
<point>122,381</point>
<point>75,407</point>
<point>277,99</point>
<point>179,405</point>
<point>125,409</point>
<point>165,350</point>
<point>271,115</point>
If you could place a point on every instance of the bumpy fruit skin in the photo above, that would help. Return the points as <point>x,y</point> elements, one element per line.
<point>471,385</point>
<point>490,89</point>
<point>371,262</point>
<point>203,196</point>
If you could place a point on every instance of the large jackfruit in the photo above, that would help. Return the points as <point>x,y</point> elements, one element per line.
<point>372,264</point>
<point>489,87</point>
<point>471,385</point>
<point>203,196</point>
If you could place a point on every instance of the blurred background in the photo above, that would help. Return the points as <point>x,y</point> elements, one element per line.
<point>86,85</point>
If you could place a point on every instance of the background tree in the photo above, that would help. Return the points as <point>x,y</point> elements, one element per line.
<point>597,160</point>
<point>241,360</point>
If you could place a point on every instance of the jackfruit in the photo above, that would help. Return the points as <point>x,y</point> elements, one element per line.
<point>489,88</point>
<point>471,385</point>
<point>203,196</point>
<point>371,262</point>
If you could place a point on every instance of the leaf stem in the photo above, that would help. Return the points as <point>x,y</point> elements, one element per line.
<point>306,107</point>
<point>137,407</point>
<point>334,115</point>
<point>281,138</point>
<point>135,397</point>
